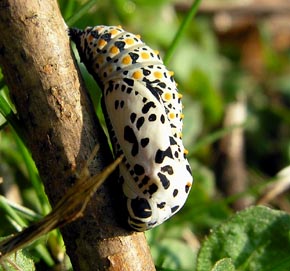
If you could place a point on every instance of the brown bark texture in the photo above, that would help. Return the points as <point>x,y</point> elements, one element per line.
<point>60,129</point>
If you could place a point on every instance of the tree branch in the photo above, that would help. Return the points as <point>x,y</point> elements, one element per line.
<point>61,130</point>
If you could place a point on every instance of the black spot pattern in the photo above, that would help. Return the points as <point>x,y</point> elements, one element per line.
<point>172,141</point>
<point>141,208</point>
<point>162,85</point>
<point>167,169</point>
<point>130,136</point>
<point>134,57</point>
<point>129,90</point>
<point>140,122</point>
<point>129,82</point>
<point>152,117</point>
<point>110,88</point>
<point>106,37</point>
<point>152,189</point>
<point>188,169</point>
<point>139,170</point>
<point>123,88</point>
<point>164,181</point>
<point>187,188</point>
<point>152,89</point>
<point>160,155</point>
<point>175,192</point>
<point>144,142</point>
<point>95,34</point>
<point>162,119</point>
<point>146,72</point>
<point>147,107</point>
<point>174,209</point>
<point>120,45</point>
<point>145,180</point>
<point>116,104</point>
<point>161,205</point>
<point>133,117</point>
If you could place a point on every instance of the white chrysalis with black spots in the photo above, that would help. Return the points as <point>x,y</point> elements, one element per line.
<point>144,117</point>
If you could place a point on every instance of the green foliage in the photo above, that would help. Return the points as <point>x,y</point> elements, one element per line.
<point>255,239</point>
<point>17,261</point>
<point>205,234</point>
<point>169,250</point>
<point>224,264</point>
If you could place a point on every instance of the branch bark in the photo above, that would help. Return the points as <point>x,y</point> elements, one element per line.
<point>60,129</point>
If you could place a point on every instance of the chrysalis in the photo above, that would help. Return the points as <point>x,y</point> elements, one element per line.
<point>144,117</point>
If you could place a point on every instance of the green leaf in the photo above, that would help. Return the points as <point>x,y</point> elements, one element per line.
<point>225,264</point>
<point>173,254</point>
<point>16,261</point>
<point>255,239</point>
<point>6,111</point>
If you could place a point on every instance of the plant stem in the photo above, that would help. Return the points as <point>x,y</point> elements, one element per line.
<point>181,30</point>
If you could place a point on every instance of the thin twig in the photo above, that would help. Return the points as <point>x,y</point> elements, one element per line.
<point>68,209</point>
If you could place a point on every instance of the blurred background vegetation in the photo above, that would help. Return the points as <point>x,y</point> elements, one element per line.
<point>232,67</point>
